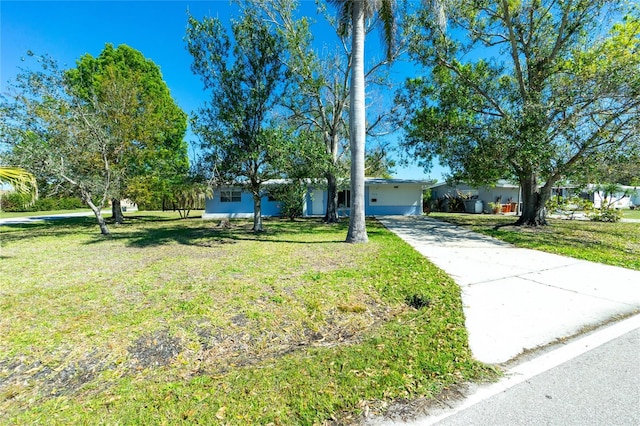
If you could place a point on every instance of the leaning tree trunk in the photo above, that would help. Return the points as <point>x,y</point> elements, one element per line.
<point>116,211</point>
<point>357,228</point>
<point>97,211</point>
<point>257,212</point>
<point>332,199</point>
<point>534,200</point>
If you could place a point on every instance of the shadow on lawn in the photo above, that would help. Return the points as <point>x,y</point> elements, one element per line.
<point>153,231</point>
<point>61,227</point>
<point>208,234</point>
<point>49,228</point>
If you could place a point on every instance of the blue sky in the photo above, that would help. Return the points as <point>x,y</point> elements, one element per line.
<point>66,30</point>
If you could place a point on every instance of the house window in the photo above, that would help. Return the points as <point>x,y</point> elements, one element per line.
<point>230,196</point>
<point>344,198</point>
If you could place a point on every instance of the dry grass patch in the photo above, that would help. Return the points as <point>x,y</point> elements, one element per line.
<point>169,320</point>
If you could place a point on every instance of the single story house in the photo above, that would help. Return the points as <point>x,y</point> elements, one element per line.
<point>382,197</point>
<point>503,192</point>
<point>627,197</point>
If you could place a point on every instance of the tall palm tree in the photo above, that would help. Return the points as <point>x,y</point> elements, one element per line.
<point>21,180</point>
<point>352,14</point>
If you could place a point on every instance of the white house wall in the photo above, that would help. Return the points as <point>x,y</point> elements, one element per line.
<point>388,195</point>
<point>391,199</point>
<point>619,200</point>
<point>485,194</point>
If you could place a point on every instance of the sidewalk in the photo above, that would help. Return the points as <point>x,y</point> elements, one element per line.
<point>517,299</point>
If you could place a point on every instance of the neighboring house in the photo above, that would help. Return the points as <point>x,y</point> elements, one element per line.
<point>635,199</point>
<point>128,206</point>
<point>629,196</point>
<point>382,197</point>
<point>503,192</point>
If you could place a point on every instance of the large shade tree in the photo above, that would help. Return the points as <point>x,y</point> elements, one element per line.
<point>148,123</point>
<point>85,138</point>
<point>316,101</point>
<point>532,90</point>
<point>245,76</point>
<point>56,134</point>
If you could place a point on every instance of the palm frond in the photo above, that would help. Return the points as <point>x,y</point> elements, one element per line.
<point>344,8</point>
<point>386,14</point>
<point>21,180</point>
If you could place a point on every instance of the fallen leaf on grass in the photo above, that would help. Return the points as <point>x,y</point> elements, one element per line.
<point>220,413</point>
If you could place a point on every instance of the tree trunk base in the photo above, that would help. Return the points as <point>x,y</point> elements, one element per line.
<point>116,211</point>
<point>356,240</point>
<point>331,219</point>
<point>532,221</point>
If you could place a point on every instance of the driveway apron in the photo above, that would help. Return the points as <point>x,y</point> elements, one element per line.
<point>517,299</point>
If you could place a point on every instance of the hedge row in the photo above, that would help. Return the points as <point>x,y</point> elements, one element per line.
<point>14,202</point>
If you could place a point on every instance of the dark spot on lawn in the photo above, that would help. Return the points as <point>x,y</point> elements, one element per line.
<point>74,375</point>
<point>239,320</point>
<point>156,349</point>
<point>208,337</point>
<point>52,382</point>
<point>418,301</point>
<point>215,242</point>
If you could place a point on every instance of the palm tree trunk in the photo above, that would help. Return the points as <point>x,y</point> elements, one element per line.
<point>357,228</point>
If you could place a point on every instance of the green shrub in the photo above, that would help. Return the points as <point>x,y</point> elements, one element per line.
<point>15,202</point>
<point>291,198</point>
<point>569,206</point>
<point>606,214</point>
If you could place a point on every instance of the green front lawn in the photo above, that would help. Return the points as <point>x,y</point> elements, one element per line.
<point>611,243</point>
<point>631,214</point>
<point>179,322</point>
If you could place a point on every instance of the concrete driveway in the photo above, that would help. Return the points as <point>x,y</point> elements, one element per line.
<point>518,299</point>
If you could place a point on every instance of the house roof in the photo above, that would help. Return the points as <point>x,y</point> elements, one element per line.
<point>506,184</point>
<point>382,181</point>
<point>367,181</point>
<point>499,184</point>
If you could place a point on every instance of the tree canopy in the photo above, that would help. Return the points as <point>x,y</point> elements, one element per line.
<point>149,124</point>
<point>245,75</point>
<point>536,91</point>
<point>91,131</point>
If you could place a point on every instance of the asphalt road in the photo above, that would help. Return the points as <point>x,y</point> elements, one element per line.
<point>599,387</point>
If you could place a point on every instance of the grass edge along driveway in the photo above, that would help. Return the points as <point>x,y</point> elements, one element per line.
<point>182,322</point>
<point>616,244</point>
